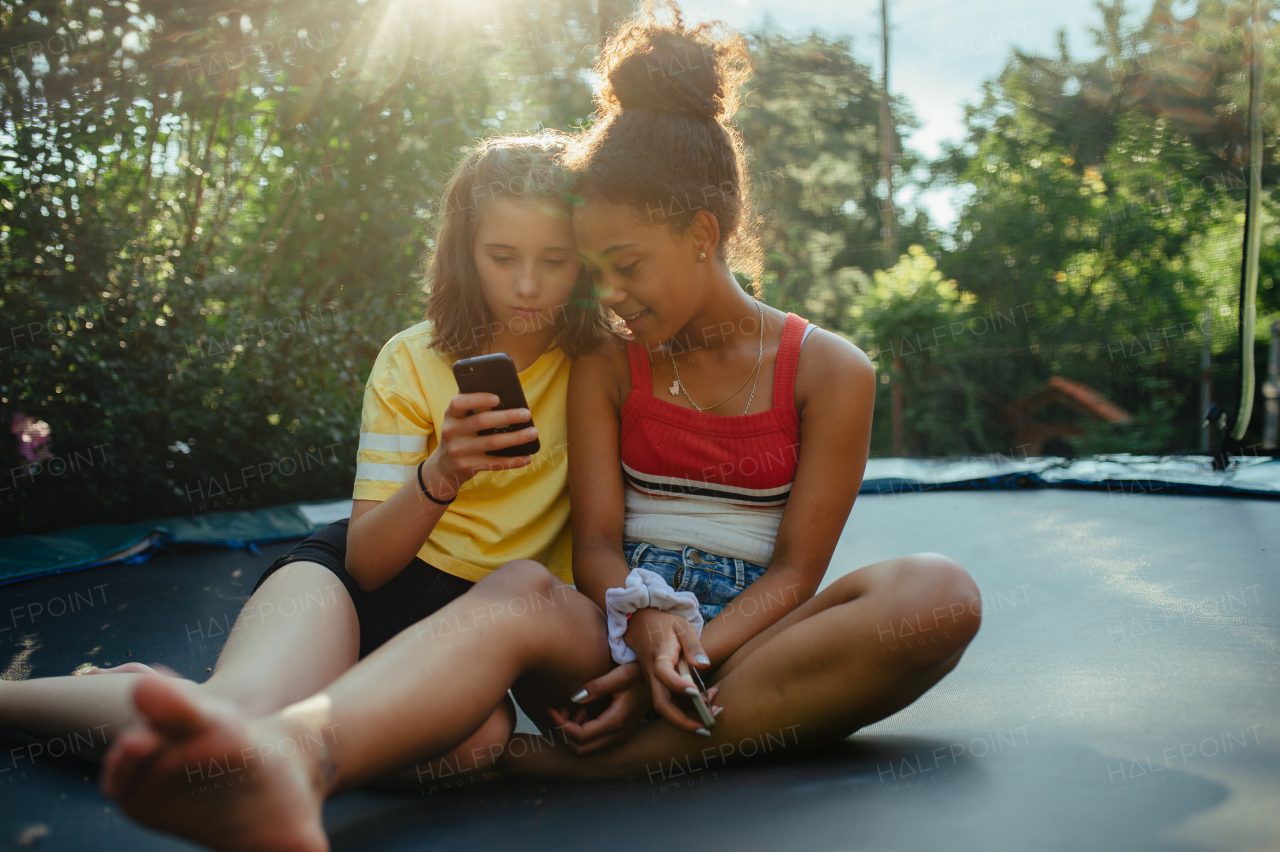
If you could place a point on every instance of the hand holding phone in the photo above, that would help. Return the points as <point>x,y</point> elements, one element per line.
<point>466,439</point>
<point>664,644</point>
<point>489,419</point>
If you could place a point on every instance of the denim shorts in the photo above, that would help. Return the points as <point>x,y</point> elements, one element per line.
<point>715,580</point>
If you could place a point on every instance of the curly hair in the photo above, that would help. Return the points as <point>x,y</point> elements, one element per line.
<point>663,140</point>
<point>528,168</point>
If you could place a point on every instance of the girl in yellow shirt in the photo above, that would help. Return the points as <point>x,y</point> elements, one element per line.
<point>434,518</point>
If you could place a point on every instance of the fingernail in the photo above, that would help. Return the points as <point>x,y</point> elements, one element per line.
<point>524,412</point>
<point>715,711</point>
<point>532,431</point>
<point>703,732</point>
<point>703,659</point>
<point>579,696</point>
<point>692,691</point>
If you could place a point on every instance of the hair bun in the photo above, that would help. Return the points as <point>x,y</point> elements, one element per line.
<point>676,74</point>
<point>673,69</point>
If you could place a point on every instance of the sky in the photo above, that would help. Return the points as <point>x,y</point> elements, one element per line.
<point>940,51</point>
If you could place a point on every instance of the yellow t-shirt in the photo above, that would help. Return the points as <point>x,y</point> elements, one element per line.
<point>498,515</point>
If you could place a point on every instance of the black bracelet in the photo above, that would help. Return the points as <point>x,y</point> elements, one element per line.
<point>428,493</point>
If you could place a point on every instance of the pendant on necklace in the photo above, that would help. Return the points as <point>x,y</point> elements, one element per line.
<point>674,390</point>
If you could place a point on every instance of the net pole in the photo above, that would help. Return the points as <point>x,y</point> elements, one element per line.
<point>887,224</point>
<point>1253,201</point>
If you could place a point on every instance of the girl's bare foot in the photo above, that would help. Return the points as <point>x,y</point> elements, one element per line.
<point>201,770</point>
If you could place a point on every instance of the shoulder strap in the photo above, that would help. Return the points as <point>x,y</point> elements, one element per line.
<point>641,372</point>
<point>784,368</point>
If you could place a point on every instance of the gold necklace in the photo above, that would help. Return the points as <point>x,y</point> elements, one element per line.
<point>678,385</point>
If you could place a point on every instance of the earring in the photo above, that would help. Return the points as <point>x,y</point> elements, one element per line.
<point>702,255</point>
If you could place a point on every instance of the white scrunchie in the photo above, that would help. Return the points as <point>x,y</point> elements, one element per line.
<point>645,588</point>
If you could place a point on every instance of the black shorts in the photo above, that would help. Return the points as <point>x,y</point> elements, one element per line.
<point>406,599</point>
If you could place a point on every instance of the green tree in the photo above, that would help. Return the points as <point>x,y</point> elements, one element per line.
<point>810,123</point>
<point>914,323</point>
<point>1108,196</point>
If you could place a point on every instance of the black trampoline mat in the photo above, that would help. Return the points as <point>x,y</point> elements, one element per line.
<point>1121,694</point>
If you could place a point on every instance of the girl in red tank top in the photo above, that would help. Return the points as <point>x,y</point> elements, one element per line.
<point>715,455</point>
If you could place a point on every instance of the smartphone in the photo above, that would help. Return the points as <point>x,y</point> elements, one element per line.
<point>700,700</point>
<point>496,374</point>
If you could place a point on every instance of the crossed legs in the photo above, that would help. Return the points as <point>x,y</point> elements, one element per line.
<point>206,771</point>
<point>860,650</point>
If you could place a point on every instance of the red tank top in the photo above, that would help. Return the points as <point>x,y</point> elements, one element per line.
<point>671,451</point>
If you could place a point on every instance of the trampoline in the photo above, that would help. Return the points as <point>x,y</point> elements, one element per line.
<point>1083,265</point>
<point>1122,694</point>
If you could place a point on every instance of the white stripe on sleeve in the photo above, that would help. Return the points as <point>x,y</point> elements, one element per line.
<point>385,472</point>
<point>394,443</point>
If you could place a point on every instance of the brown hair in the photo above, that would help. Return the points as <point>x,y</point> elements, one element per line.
<point>664,141</point>
<point>517,167</point>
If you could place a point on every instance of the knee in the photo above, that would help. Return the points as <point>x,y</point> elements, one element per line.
<point>524,573</point>
<point>944,582</point>
<point>523,587</point>
<point>941,593</point>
